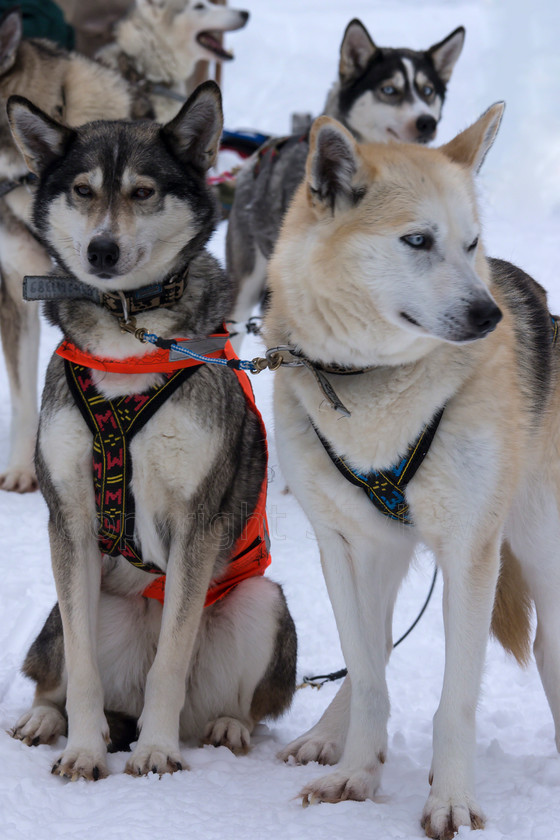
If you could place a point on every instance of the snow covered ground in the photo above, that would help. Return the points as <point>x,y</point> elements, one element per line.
<point>286,59</point>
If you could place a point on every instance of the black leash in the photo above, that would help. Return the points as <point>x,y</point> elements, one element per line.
<point>320,679</point>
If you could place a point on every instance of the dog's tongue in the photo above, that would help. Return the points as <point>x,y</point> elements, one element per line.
<point>211,42</point>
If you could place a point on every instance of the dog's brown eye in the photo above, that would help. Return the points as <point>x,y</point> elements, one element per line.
<point>142,193</point>
<point>83,190</point>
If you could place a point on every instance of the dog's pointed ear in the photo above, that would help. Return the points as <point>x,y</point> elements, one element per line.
<point>40,139</point>
<point>332,163</point>
<point>471,146</point>
<point>10,37</point>
<point>194,134</point>
<point>356,50</point>
<point>445,53</point>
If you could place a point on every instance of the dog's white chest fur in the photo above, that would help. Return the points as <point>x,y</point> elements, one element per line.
<point>173,436</point>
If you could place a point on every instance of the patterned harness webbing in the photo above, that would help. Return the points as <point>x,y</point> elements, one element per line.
<point>387,488</point>
<point>113,424</point>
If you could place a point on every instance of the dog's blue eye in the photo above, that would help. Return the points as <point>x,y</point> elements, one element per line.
<point>388,90</point>
<point>420,241</point>
<point>427,90</point>
<point>83,190</point>
<point>142,193</point>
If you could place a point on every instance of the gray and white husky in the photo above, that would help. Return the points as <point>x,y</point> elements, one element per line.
<point>381,94</point>
<point>154,51</point>
<point>125,207</point>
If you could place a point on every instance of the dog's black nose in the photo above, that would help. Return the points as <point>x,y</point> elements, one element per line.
<point>483,317</point>
<point>426,125</point>
<point>102,253</point>
<point>244,16</point>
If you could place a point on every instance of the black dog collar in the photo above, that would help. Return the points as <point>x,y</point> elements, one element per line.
<point>154,296</point>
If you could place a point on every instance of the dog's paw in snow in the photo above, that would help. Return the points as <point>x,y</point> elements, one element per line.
<point>82,763</point>
<point>18,480</point>
<point>443,817</point>
<point>310,747</point>
<point>40,725</point>
<point>342,785</point>
<point>228,732</point>
<point>154,759</point>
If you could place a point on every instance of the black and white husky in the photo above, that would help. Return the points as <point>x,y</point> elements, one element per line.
<point>381,94</point>
<point>124,208</point>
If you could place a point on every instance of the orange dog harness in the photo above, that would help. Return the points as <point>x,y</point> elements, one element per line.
<point>113,424</point>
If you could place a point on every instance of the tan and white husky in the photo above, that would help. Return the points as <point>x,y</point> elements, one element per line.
<point>380,274</point>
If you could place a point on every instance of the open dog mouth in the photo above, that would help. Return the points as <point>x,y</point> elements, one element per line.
<point>211,41</point>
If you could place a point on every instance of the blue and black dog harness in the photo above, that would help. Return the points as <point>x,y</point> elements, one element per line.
<point>387,488</point>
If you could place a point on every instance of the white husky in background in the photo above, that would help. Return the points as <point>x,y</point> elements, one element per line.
<point>159,42</point>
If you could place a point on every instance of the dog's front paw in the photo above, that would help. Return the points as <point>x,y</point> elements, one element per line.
<point>154,759</point>
<point>40,725</point>
<point>311,747</point>
<point>228,732</point>
<point>18,480</point>
<point>82,763</point>
<point>342,785</point>
<point>443,817</point>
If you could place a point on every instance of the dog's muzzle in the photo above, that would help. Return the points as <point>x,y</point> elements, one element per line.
<point>103,255</point>
<point>483,317</point>
<point>426,127</point>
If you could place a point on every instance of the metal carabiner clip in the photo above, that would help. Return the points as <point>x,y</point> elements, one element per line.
<point>273,353</point>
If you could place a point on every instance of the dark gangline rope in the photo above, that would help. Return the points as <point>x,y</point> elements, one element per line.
<point>318,680</point>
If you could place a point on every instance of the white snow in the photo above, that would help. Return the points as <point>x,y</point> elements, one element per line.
<point>286,59</point>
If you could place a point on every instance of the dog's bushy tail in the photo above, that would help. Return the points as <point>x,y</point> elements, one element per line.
<point>513,608</point>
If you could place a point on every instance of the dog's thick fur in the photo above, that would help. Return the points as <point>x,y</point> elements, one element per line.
<point>199,462</point>
<point>381,94</point>
<point>75,90</point>
<point>159,43</point>
<point>380,266</point>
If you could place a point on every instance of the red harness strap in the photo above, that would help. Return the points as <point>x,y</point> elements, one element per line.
<point>156,361</point>
<point>251,557</point>
<point>251,554</point>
